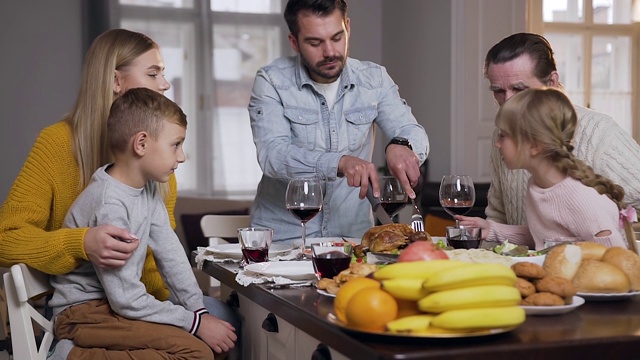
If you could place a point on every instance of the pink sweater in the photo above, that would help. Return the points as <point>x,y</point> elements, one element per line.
<point>567,209</point>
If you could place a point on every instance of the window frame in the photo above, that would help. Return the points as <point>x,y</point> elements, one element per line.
<point>203,19</point>
<point>588,30</point>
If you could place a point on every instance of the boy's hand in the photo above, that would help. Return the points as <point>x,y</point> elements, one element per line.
<point>218,334</point>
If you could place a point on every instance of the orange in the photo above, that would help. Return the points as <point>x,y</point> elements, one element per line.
<point>370,309</point>
<point>347,290</point>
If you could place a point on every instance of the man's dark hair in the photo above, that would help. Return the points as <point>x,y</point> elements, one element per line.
<point>321,8</point>
<point>534,45</point>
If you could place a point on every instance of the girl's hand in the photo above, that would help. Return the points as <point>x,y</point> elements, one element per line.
<point>108,246</point>
<point>483,224</point>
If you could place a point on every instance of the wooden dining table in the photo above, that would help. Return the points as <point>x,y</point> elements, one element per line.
<point>600,330</point>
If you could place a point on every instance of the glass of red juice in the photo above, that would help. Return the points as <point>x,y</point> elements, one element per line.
<point>255,243</point>
<point>330,258</point>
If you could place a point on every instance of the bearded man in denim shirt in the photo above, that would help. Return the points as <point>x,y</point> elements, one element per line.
<point>313,115</point>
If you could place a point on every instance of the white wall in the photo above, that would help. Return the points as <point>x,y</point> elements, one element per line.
<point>41,44</point>
<point>417,42</point>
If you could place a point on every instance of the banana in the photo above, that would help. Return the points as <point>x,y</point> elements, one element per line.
<point>405,288</point>
<point>409,324</point>
<point>469,297</point>
<point>471,274</point>
<point>415,269</point>
<point>480,318</point>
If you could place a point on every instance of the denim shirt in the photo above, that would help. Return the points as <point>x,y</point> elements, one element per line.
<point>298,135</point>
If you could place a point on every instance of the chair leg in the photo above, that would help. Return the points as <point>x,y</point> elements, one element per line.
<point>5,348</point>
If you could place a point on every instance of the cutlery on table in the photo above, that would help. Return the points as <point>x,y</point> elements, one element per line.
<point>289,285</point>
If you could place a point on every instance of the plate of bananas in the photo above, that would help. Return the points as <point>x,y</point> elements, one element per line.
<point>430,332</point>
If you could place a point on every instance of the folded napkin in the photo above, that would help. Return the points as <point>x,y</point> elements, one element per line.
<point>246,278</point>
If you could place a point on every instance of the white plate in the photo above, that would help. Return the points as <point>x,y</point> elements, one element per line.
<point>435,239</point>
<point>294,270</point>
<point>533,259</point>
<point>310,241</point>
<point>608,297</point>
<point>553,310</point>
<point>234,251</point>
<point>325,293</point>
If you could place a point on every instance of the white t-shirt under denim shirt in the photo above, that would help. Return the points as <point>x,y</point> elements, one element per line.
<point>298,134</point>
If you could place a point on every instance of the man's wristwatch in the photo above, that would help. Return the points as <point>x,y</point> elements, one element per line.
<point>399,141</point>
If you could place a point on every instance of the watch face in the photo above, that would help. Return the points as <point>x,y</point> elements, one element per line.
<point>401,141</point>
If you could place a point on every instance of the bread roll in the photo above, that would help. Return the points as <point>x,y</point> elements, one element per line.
<point>627,261</point>
<point>600,277</point>
<point>591,250</point>
<point>563,261</point>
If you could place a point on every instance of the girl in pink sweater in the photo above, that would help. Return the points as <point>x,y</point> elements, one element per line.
<point>565,198</point>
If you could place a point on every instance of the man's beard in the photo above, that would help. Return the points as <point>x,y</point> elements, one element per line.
<point>330,75</point>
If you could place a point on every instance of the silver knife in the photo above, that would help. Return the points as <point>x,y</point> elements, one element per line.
<point>377,208</point>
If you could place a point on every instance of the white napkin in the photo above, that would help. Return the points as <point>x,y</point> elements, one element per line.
<point>246,278</point>
<point>204,254</point>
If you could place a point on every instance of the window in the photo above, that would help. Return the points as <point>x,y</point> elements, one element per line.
<point>212,50</point>
<point>594,43</point>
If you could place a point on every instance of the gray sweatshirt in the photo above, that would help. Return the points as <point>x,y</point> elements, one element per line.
<point>108,201</point>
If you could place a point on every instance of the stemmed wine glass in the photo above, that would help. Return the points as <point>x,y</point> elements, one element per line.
<point>457,194</point>
<point>304,200</point>
<point>392,196</point>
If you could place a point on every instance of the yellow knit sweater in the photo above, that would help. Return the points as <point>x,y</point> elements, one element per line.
<point>32,215</point>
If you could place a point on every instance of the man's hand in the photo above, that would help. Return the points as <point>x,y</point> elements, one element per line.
<point>218,334</point>
<point>404,165</point>
<point>360,173</point>
<point>108,246</point>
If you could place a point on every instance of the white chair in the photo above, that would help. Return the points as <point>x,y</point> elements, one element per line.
<point>218,227</point>
<point>4,321</point>
<point>22,284</point>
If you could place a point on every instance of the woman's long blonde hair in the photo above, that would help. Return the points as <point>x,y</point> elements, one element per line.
<point>547,118</point>
<point>113,50</point>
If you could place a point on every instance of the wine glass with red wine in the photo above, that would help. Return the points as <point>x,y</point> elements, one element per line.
<point>304,200</point>
<point>392,196</point>
<point>457,194</point>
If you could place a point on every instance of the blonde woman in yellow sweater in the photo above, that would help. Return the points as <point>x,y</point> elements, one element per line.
<point>62,161</point>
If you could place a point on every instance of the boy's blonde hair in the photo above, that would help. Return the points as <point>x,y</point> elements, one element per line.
<point>139,110</point>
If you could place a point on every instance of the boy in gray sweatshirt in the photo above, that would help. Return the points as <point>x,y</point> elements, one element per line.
<point>108,311</point>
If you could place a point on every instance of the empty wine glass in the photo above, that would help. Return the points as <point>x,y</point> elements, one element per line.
<point>392,196</point>
<point>457,194</point>
<point>304,200</point>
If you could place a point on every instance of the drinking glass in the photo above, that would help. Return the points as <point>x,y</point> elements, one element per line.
<point>254,243</point>
<point>392,196</point>
<point>463,237</point>
<point>304,200</point>
<point>457,194</point>
<point>330,258</point>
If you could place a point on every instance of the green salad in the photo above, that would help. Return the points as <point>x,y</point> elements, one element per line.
<point>510,249</point>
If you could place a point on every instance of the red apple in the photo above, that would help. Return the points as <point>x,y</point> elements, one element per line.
<point>421,250</point>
